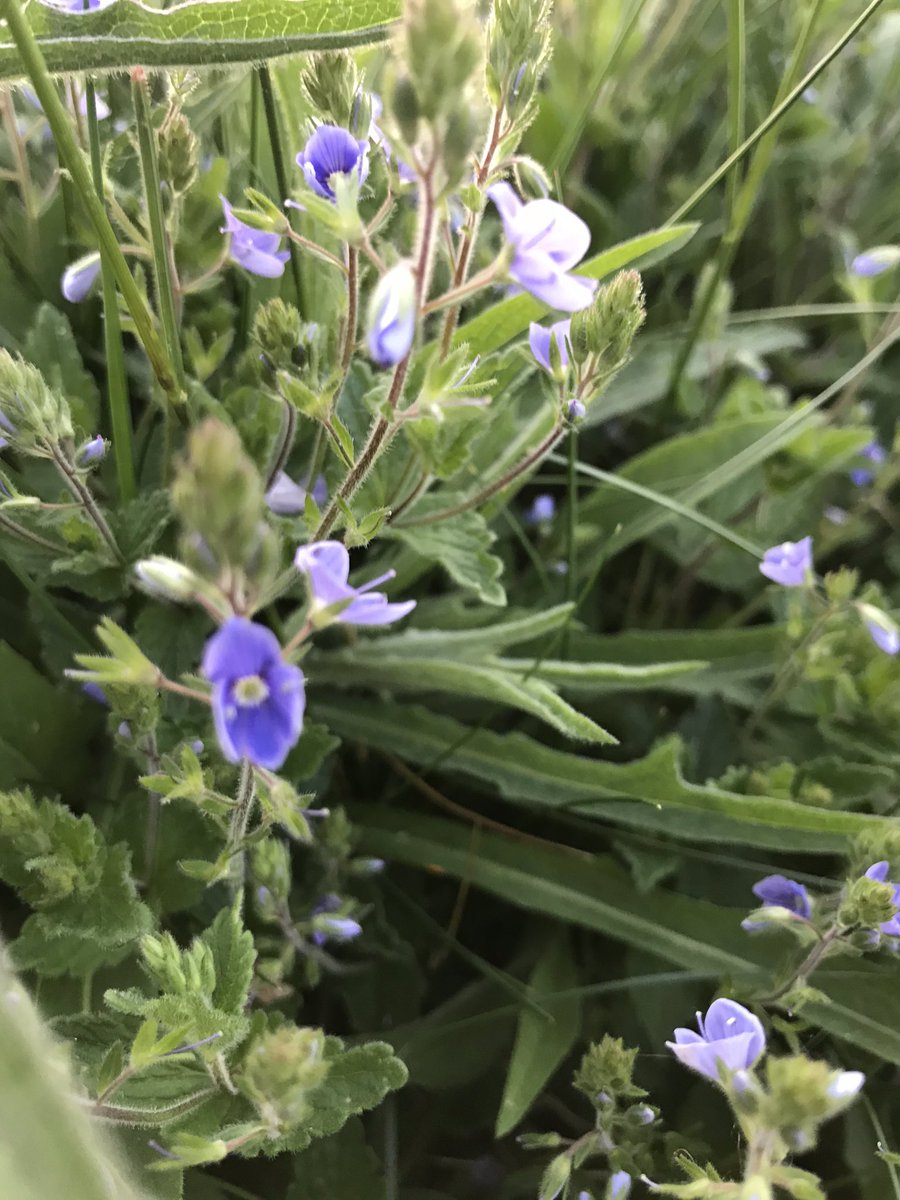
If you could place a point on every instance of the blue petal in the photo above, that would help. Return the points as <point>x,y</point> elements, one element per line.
<point>240,648</point>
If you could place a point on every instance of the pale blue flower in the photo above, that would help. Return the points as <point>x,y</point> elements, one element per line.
<point>392,316</point>
<point>254,249</point>
<point>730,1036</point>
<point>542,510</point>
<point>541,338</point>
<point>90,451</point>
<point>875,261</point>
<point>285,498</point>
<point>788,564</point>
<point>326,566</point>
<point>78,278</point>
<point>329,152</point>
<point>780,892</point>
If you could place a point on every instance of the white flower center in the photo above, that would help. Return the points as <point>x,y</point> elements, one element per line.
<point>250,691</point>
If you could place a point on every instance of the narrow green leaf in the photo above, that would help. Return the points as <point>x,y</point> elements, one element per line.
<point>541,1045</point>
<point>491,330</point>
<point>480,681</point>
<point>202,33</point>
<point>592,677</point>
<point>466,643</point>
<point>523,769</point>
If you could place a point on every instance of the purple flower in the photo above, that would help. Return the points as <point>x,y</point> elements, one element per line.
<point>333,151</point>
<point>879,872</point>
<point>619,1186</point>
<point>90,451</point>
<point>781,892</point>
<point>85,5</point>
<point>285,498</point>
<point>575,411</point>
<point>547,241</point>
<point>392,316</point>
<point>875,261</point>
<point>885,639</point>
<point>542,510</point>
<point>326,566</point>
<point>257,697</point>
<point>78,278</point>
<point>254,249</point>
<point>729,1035</point>
<point>540,339</point>
<point>876,455</point>
<point>789,563</point>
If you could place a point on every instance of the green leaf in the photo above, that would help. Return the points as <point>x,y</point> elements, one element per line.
<point>523,769</point>
<point>863,1004</point>
<point>485,681</point>
<point>541,1043</point>
<point>233,956</point>
<point>473,643</point>
<point>51,346</point>
<point>341,1166</point>
<point>589,678</point>
<point>204,33</point>
<point>492,329</point>
<point>460,544</point>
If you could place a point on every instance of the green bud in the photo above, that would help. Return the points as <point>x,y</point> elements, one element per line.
<point>605,1072</point>
<point>280,1069</point>
<point>841,585</point>
<point>875,846</point>
<point>555,1177</point>
<point>331,81</point>
<point>161,576</point>
<point>518,49</point>
<point>179,152</point>
<point>36,416</point>
<point>404,105</point>
<point>461,129</point>
<point>804,1092</point>
<point>278,331</point>
<point>441,46</point>
<point>163,961</point>
<point>271,867</point>
<point>539,1141</point>
<point>868,903</point>
<point>533,181</point>
<point>601,335</point>
<point>219,497</point>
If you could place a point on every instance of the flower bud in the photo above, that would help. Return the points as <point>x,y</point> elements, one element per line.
<point>875,261</point>
<point>555,1177</point>
<point>78,278</point>
<point>613,319</point>
<point>165,577</point>
<point>869,903</point>
<point>392,316</point>
<point>405,109</point>
<point>619,1186</point>
<point>280,1069</point>
<point>271,866</point>
<point>90,451</point>
<point>575,411</point>
<point>331,81</point>
<point>882,630</point>
<point>35,414</point>
<point>179,152</point>
<point>278,331</point>
<point>441,48</point>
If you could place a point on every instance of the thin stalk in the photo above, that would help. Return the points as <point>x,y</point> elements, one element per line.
<point>774,116</point>
<point>284,444</point>
<point>159,236</point>
<point>240,820</point>
<point>571,524</point>
<point>116,377</point>
<point>271,110</point>
<point>743,200</point>
<point>352,306</point>
<point>26,535</point>
<point>74,160</point>
<point>498,485</point>
<point>82,492</point>
<point>737,57</point>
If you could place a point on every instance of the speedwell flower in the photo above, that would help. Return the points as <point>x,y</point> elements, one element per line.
<point>884,638</point>
<point>789,563</point>
<point>875,261</point>
<point>285,497</point>
<point>780,892</point>
<point>90,451</point>
<point>547,241</point>
<point>326,566</point>
<point>78,278</point>
<point>333,151</point>
<point>254,249</point>
<point>257,697</point>
<point>392,316</point>
<point>541,338</point>
<point>729,1036</point>
<point>542,510</point>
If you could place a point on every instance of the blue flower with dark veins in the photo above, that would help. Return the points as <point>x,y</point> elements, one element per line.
<point>329,152</point>
<point>541,338</point>
<point>547,240</point>
<point>254,249</point>
<point>326,566</point>
<point>780,892</point>
<point>257,698</point>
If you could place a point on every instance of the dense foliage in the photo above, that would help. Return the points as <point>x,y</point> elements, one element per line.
<point>448,567</point>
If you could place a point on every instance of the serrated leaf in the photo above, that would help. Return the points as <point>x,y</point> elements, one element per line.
<point>140,523</point>
<point>338,1166</point>
<point>52,348</point>
<point>233,955</point>
<point>205,33</point>
<point>542,1042</point>
<point>460,545</point>
<point>486,681</point>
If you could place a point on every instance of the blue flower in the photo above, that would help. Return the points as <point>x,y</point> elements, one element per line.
<point>547,241</point>
<point>729,1036</point>
<point>542,510</point>
<point>254,249</point>
<point>257,697</point>
<point>392,316</point>
<point>575,411</point>
<point>90,451</point>
<point>879,872</point>
<point>540,339</point>
<point>619,1186</point>
<point>886,639</point>
<point>875,261</point>
<point>781,892</point>
<point>333,151</point>
<point>285,497</point>
<point>326,566</point>
<point>789,563</point>
<point>876,455</point>
<point>328,926</point>
<point>78,278</point>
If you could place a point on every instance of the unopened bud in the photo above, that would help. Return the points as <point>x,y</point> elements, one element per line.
<point>555,1177</point>
<point>179,152</point>
<point>392,316</point>
<point>278,331</point>
<point>90,452</point>
<point>165,577</point>
<point>331,81</point>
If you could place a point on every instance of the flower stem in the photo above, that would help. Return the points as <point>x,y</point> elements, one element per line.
<point>498,485</point>
<point>352,306</point>
<point>159,237</point>
<point>82,492</point>
<point>271,110</point>
<point>116,378</point>
<point>74,160</point>
<point>240,820</point>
